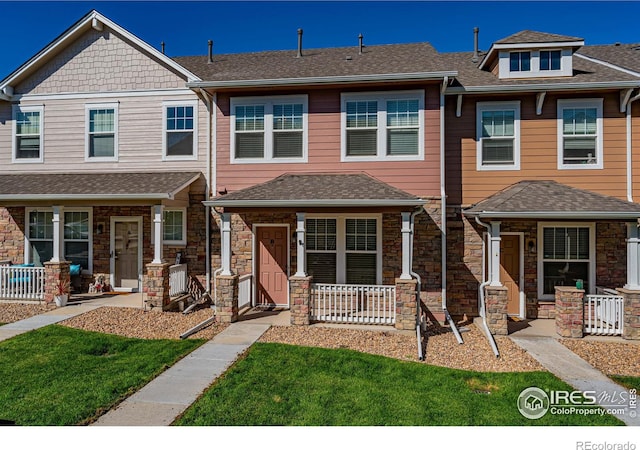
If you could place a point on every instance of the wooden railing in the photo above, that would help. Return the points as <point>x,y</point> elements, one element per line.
<point>353,303</point>
<point>22,283</point>
<point>178,280</point>
<point>603,314</point>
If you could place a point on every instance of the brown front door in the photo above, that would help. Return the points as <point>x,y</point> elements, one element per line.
<point>271,263</point>
<point>126,246</point>
<point>510,271</point>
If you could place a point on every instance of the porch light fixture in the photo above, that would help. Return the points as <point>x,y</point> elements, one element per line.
<point>531,245</point>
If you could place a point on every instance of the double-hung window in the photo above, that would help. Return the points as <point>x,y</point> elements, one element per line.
<point>39,236</point>
<point>27,133</point>
<point>344,250</point>
<point>77,231</point>
<point>567,256</point>
<point>550,59</point>
<point>498,135</point>
<point>520,61</point>
<point>580,134</point>
<point>180,130</point>
<point>383,126</point>
<point>269,129</point>
<point>102,132</point>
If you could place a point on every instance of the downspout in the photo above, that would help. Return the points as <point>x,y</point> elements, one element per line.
<point>207,195</point>
<point>443,212</point>
<point>419,286</point>
<point>629,150</point>
<point>481,306</point>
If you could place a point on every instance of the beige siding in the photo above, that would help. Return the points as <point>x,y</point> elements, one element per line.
<point>417,177</point>
<point>100,61</point>
<point>538,150</point>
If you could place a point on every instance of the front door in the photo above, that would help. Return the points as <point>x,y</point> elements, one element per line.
<point>271,264</point>
<point>510,271</point>
<point>126,252</point>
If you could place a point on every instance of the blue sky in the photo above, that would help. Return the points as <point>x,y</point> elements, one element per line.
<point>240,26</point>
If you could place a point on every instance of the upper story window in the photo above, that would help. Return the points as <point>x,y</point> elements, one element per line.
<point>27,134</point>
<point>520,61</point>
<point>580,134</point>
<point>180,130</point>
<point>498,135</point>
<point>550,59</point>
<point>269,129</point>
<point>102,132</point>
<point>383,126</point>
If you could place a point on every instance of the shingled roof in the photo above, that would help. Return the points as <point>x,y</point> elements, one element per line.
<point>325,189</point>
<point>535,37</point>
<point>117,185</point>
<point>626,56</point>
<point>550,199</point>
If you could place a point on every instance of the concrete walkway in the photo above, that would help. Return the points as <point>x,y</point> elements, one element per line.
<point>575,371</point>
<point>162,400</point>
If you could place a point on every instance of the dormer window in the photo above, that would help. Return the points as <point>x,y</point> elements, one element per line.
<point>550,59</point>
<point>520,61</point>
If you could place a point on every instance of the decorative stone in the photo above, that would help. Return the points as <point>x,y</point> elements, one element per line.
<point>300,295</point>
<point>569,312</point>
<point>155,290</point>
<point>406,304</point>
<point>55,274</point>
<point>631,327</point>
<point>227,298</point>
<point>495,299</point>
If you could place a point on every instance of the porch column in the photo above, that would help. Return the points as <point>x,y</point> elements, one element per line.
<point>300,246</point>
<point>225,255</point>
<point>58,237</point>
<point>158,233</point>
<point>633,257</point>
<point>494,256</point>
<point>406,246</point>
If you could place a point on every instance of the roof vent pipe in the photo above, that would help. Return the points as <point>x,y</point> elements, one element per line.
<point>162,47</point>
<point>299,43</point>
<point>360,44</point>
<point>475,44</point>
<point>210,42</point>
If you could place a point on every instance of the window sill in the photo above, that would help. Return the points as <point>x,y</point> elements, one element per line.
<point>580,167</point>
<point>269,161</point>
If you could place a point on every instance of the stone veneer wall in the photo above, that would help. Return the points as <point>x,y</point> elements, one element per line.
<point>569,311</point>
<point>12,223</point>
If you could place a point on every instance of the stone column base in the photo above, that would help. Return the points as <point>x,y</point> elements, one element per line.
<point>155,289</point>
<point>631,327</point>
<point>227,298</point>
<point>56,274</point>
<point>300,293</point>
<point>406,304</point>
<point>495,300</point>
<point>569,312</point>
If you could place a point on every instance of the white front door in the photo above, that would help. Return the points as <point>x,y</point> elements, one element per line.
<point>126,253</point>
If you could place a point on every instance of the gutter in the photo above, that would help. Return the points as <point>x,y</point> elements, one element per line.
<point>312,202</point>
<point>540,87</point>
<point>481,302</point>
<point>443,219</point>
<point>372,78</point>
<point>560,215</point>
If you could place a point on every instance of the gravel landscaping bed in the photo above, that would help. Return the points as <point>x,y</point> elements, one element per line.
<point>12,312</point>
<point>611,358</point>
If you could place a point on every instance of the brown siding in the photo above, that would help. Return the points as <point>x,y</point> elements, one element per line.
<point>538,150</point>
<point>417,177</point>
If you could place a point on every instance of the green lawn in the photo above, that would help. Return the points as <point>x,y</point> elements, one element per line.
<point>278,384</point>
<point>62,376</point>
<point>629,382</point>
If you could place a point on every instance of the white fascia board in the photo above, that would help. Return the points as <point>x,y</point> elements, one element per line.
<point>544,87</point>
<point>186,184</point>
<point>80,27</point>
<point>558,215</point>
<point>311,203</point>
<point>38,197</point>
<point>607,64</point>
<point>374,78</point>
<point>5,97</point>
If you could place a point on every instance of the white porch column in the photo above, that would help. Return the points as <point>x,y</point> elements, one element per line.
<point>225,228</point>
<point>58,234</point>
<point>300,245</point>
<point>494,256</point>
<point>406,246</point>
<point>633,257</point>
<point>158,233</point>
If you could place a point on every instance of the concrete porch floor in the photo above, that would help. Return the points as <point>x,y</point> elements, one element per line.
<point>547,328</point>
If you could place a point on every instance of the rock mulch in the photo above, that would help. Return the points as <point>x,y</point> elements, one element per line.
<point>611,358</point>
<point>12,312</point>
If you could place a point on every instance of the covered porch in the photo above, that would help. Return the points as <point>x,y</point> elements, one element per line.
<point>328,247</point>
<point>558,252</point>
<point>97,232</point>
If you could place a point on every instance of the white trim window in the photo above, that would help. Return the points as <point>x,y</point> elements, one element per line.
<point>39,236</point>
<point>180,130</point>
<point>378,126</point>
<point>566,255</point>
<point>269,129</point>
<point>550,60</point>
<point>344,249</point>
<point>498,135</point>
<point>174,227</point>
<point>28,134</point>
<point>77,237</point>
<point>101,132</point>
<point>580,134</point>
<point>520,61</point>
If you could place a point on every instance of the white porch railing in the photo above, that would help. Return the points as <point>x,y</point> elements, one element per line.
<point>603,314</point>
<point>178,280</point>
<point>22,283</point>
<point>353,303</point>
<point>245,285</point>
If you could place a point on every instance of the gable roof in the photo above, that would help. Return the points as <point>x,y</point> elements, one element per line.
<point>626,56</point>
<point>93,186</point>
<point>535,37</point>
<point>552,200</point>
<point>92,19</point>
<point>342,64</point>
<point>325,189</point>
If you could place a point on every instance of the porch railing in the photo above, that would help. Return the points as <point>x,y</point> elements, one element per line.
<point>353,303</point>
<point>604,314</point>
<point>178,280</point>
<point>245,285</point>
<point>22,283</point>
